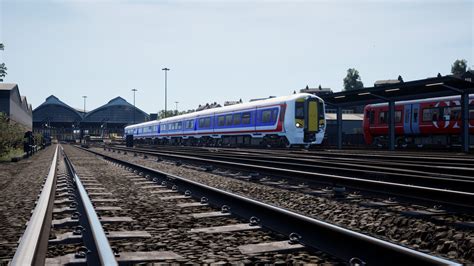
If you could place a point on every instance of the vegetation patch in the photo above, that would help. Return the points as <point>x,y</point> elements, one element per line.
<point>11,137</point>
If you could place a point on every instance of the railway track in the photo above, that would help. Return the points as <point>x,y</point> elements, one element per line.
<point>304,230</point>
<point>74,212</point>
<point>421,188</point>
<point>67,224</point>
<point>442,177</point>
<point>88,220</point>
<point>444,162</point>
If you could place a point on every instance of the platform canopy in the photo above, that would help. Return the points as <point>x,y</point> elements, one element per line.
<point>410,90</point>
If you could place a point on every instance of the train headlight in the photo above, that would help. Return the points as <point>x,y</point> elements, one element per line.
<point>298,125</point>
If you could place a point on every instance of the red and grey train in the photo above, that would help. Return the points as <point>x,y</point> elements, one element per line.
<point>421,122</point>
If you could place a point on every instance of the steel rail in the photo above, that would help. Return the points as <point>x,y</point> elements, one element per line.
<point>388,166</point>
<point>37,231</point>
<point>415,177</point>
<point>320,150</point>
<point>338,241</point>
<point>367,154</point>
<point>460,199</point>
<point>105,254</point>
<point>329,158</point>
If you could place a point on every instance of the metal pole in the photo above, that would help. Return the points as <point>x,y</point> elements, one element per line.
<point>465,121</point>
<point>85,97</point>
<point>166,88</point>
<point>176,106</point>
<point>134,90</point>
<point>339,128</point>
<point>81,127</point>
<point>391,125</point>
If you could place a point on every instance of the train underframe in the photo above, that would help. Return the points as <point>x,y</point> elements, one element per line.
<point>271,140</point>
<point>419,141</point>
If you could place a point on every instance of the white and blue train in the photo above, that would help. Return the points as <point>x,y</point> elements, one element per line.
<point>297,119</point>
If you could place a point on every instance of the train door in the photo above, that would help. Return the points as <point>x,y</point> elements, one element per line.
<point>407,120</point>
<point>415,122</point>
<point>311,119</point>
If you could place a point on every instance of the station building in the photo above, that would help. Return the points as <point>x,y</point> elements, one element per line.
<point>58,120</point>
<point>110,119</point>
<point>15,106</point>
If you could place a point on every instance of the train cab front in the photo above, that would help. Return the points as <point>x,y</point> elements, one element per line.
<point>309,116</point>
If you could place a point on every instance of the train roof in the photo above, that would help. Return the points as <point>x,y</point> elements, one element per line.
<point>225,109</point>
<point>447,98</point>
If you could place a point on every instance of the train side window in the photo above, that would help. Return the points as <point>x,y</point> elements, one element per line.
<point>202,122</point>
<point>237,119</point>
<point>431,114</point>
<point>372,117</point>
<point>407,117</point>
<point>190,124</point>
<point>246,118</point>
<point>398,116</point>
<point>274,115</point>
<point>221,121</point>
<point>383,117</point>
<point>179,125</point>
<point>207,123</point>
<point>299,110</point>
<point>228,120</point>
<point>266,116</point>
<point>415,115</point>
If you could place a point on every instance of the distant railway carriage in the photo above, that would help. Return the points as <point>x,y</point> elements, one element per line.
<point>428,121</point>
<point>297,119</point>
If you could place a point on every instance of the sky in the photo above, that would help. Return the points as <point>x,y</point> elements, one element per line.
<point>223,50</point>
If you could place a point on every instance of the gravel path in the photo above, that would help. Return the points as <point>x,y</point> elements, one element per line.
<point>169,225</point>
<point>20,185</point>
<point>428,236</point>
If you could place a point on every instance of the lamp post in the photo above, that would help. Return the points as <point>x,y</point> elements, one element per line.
<point>81,127</point>
<point>176,107</point>
<point>85,97</point>
<point>166,87</point>
<point>134,90</point>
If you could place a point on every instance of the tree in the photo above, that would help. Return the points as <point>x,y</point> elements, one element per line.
<point>352,80</point>
<point>3,68</point>
<point>11,135</point>
<point>459,67</point>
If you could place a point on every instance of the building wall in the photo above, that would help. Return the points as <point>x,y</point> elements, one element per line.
<point>5,101</point>
<point>18,112</point>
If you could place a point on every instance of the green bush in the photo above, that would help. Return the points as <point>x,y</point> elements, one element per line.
<point>38,138</point>
<point>11,135</point>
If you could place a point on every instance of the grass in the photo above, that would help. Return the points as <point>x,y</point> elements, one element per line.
<point>11,154</point>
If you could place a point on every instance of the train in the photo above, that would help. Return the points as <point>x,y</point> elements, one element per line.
<point>433,121</point>
<point>286,121</point>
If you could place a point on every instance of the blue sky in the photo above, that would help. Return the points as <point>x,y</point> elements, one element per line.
<point>223,50</point>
